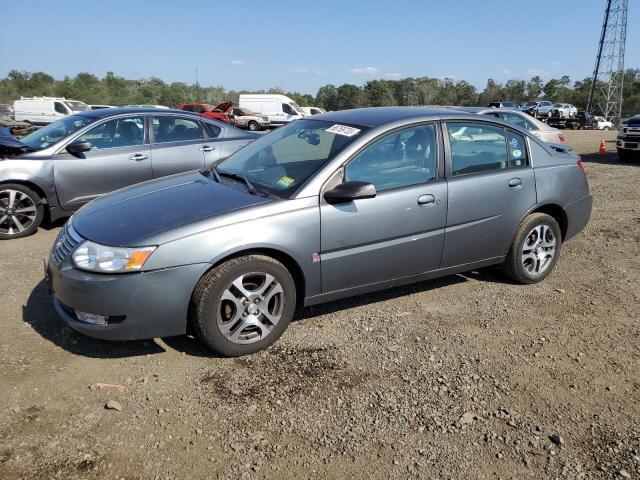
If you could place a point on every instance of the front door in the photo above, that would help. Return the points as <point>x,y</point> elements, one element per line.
<point>178,145</point>
<point>491,187</point>
<point>119,157</point>
<point>398,233</point>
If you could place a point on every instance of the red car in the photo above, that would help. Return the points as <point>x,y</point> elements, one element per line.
<point>219,112</point>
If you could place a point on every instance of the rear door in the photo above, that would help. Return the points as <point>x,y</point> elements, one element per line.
<point>119,157</point>
<point>178,144</point>
<point>491,187</point>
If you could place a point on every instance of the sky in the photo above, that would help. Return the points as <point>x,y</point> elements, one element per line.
<point>301,45</point>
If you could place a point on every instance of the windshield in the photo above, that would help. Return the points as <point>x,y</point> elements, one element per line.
<point>78,106</point>
<point>296,107</point>
<point>56,131</point>
<point>283,160</point>
<point>530,104</point>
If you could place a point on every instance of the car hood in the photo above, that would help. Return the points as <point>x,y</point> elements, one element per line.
<point>224,106</point>
<point>10,145</point>
<point>128,217</point>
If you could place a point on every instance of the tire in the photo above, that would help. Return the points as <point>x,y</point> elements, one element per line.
<point>253,126</point>
<point>606,129</point>
<point>523,264</point>
<point>21,211</point>
<point>628,156</point>
<point>232,328</point>
<point>575,126</point>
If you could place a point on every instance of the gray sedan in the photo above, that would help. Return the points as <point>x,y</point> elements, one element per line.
<point>327,207</point>
<point>57,169</point>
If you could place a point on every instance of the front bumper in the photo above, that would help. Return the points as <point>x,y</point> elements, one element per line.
<point>627,143</point>
<point>143,305</point>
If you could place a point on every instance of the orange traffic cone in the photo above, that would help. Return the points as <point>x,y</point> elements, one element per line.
<point>603,148</point>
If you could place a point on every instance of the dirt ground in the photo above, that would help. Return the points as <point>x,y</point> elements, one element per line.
<point>469,376</point>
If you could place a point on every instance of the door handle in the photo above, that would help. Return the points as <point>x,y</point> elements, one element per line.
<point>207,148</point>
<point>426,200</point>
<point>138,157</point>
<point>515,182</point>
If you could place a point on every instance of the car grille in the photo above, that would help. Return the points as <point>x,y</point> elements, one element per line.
<point>67,240</point>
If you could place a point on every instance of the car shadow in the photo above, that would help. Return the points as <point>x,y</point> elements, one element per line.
<point>609,158</point>
<point>39,313</point>
<point>42,317</point>
<point>49,225</point>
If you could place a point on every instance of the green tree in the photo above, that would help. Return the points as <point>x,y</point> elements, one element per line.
<point>378,93</point>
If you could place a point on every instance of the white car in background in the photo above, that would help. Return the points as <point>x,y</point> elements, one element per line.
<point>45,110</point>
<point>540,129</point>
<point>603,124</point>
<point>313,110</point>
<point>564,110</point>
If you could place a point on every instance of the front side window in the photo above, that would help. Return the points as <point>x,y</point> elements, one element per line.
<point>60,108</point>
<point>476,148</point>
<point>282,161</point>
<point>119,132</point>
<point>403,158</point>
<point>175,129</point>
<point>286,108</point>
<point>56,131</point>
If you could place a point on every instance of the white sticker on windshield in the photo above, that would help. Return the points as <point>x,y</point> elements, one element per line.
<point>343,130</point>
<point>516,154</point>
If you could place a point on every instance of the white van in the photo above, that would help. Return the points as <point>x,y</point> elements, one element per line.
<point>279,109</point>
<point>44,110</point>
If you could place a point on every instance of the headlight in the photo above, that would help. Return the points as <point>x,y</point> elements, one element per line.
<point>100,258</point>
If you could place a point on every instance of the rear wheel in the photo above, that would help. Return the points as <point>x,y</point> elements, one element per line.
<point>535,249</point>
<point>253,126</point>
<point>21,211</point>
<point>243,305</point>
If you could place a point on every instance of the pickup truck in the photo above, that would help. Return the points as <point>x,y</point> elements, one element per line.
<point>582,121</point>
<point>628,141</point>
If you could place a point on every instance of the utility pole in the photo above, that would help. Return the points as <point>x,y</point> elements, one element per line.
<point>197,87</point>
<point>605,94</point>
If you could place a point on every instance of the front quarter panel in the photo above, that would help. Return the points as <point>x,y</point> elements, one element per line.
<point>291,227</point>
<point>31,170</point>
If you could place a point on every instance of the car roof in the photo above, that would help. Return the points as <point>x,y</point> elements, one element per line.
<point>376,116</point>
<point>108,112</point>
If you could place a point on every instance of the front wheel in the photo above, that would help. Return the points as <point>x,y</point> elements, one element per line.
<point>535,249</point>
<point>243,305</point>
<point>253,126</point>
<point>21,211</point>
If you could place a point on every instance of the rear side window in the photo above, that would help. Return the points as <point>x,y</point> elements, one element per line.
<point>517,150</point>
<point>477,148</point>
<point>175,129</point>
<point>518,120</point>
<point>187,108</point>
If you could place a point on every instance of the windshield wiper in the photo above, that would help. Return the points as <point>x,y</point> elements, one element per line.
<point>237,176</point>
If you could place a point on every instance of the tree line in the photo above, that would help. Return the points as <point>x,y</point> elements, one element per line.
<point>116,90</point>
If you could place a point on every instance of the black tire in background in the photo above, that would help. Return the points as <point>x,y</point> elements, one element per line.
<point>514,266</point>
<point>628,156</point>
<point>253,126</point>
<point>24,216</point>
<point>209,297</point>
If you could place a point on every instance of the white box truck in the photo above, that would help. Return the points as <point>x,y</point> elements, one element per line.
<point>279,109</point>
<point>44,110</point>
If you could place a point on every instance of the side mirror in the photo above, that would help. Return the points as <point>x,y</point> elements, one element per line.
<point>78,147</point>
<point>349,191</point>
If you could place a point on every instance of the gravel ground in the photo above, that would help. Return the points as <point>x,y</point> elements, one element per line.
<point>468,376</point>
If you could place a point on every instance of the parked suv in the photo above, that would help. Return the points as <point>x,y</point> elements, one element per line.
<point>55,170</point>
<point>628,141</point>
<point>245,118</point>
<point>219,112</point>
<point>330,206</point>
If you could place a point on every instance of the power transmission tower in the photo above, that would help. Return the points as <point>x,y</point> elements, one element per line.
<point>605,94</point>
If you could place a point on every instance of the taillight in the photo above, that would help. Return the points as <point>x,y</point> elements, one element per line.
<point>561,137</point>
<point>581,166</point>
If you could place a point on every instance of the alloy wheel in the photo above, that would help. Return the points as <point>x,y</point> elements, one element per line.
<point>250,307</point>
<point>18,212</point>
<point>538,250</point>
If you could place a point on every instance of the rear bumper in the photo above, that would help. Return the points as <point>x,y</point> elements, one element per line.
<point>138,306</point>
<point>578,215</point>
